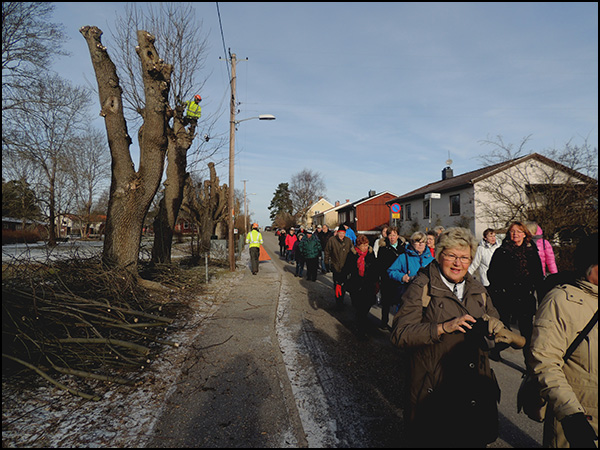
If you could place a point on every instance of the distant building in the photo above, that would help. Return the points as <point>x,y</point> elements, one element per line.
<point>465,200</point>
<point>368,214</point>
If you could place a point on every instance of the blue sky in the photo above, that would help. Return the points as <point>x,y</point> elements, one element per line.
<point>376,96</point>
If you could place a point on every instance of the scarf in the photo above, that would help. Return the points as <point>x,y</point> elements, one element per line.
<point>519,257</point>
<point>361,261</point>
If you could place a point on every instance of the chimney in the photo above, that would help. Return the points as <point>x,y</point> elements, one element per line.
<point>372,193</point>
<point>347,200</point>
<point>447,173</point>
<point>337,203</point>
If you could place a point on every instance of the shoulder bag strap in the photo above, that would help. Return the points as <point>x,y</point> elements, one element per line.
<point>581,336</point>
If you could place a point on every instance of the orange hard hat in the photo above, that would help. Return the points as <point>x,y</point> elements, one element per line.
<point>255,225</point>
<point>197,97</point>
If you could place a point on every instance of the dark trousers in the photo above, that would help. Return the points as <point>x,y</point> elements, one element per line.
<point>254,254</point>
<point>299,267</point>
<point>312,265</point>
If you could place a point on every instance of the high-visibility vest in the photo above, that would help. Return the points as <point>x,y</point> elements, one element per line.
<point>194,111</point>
<point>254,238</point>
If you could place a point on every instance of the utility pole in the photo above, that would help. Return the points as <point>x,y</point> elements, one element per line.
<point>231,166</point>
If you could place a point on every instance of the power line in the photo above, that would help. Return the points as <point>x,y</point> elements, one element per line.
<point>223,39</point>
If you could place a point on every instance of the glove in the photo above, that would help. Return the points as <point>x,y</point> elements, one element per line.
<point>338,290</point>
<point>508,337</point>
<point>578,431</point>
<point>494,325</point>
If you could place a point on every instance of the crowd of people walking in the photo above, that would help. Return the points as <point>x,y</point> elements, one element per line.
<point>457,303</point>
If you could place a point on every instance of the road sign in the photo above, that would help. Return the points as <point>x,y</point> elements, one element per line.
<point>396,208</point>
<point>433,195</point>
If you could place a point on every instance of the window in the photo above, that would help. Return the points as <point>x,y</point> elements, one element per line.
<point>426,209</point>
<point>455,205</point>
<point>408,212</point>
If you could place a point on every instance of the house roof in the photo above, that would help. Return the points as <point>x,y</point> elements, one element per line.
<point>470,178</point>
<point>366,199</point>
<point>320,200</point>
<point>327,211</point>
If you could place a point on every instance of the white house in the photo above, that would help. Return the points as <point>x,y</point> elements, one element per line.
<point>468,200</point>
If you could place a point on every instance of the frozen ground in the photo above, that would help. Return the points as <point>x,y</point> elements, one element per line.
<point>45,416</point>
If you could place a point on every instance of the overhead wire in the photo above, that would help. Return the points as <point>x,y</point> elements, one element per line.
<point>223,39</point>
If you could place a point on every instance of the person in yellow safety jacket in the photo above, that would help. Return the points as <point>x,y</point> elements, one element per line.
<point>255,240</point>
<point>194,111</point>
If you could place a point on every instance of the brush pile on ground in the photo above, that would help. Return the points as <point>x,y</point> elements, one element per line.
<point>80,319</point>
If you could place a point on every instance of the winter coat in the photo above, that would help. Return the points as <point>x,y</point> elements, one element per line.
<point>361,289</point>
<point>296,250</point>
<point>390,289</point>
<point>350,234</point>
<point>507,281</point>
<point>546,253</point>
<point>409,263</point>
<point>310,247</point>
<point>290,239</point>
<point>482,259</point>
<point>453,391</point>
<point>336,252</point>
<point>282,237</point>
<point>570,387</point>
<point>324,237</point>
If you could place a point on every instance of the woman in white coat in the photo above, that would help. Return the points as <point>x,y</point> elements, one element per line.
<point>483,256</point>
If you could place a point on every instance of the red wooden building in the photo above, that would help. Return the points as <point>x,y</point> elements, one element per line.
<point>369,214</point>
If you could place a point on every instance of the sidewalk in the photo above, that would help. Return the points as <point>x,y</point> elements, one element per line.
<point>234,391</point>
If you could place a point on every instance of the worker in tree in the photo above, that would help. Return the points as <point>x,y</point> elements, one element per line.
<point>194,111</point>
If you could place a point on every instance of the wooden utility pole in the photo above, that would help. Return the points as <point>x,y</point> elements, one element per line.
<point>231,166</point>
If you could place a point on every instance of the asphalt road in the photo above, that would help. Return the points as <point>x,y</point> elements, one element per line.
<point>279,366</point>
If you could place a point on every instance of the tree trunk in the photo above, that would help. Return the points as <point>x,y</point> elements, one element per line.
<point>180,140</point>
<point>131,192</point>
<point>207,206</point>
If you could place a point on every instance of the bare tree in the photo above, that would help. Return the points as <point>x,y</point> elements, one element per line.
<point>306,188</point>
<point>559,191</point>
<point>88,166</point>
<point>29,43</point>
<point>131,190</point>
<point>42,137</point>
<point>206,205</point>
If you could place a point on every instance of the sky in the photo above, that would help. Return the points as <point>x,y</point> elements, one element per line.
<point>378,96</point>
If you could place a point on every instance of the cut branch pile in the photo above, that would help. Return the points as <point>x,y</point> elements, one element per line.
<point>81,319</point>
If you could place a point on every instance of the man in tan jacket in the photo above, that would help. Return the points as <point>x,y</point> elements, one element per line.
<point>571,387</point>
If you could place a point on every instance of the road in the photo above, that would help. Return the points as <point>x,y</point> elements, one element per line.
<point>350,390</point>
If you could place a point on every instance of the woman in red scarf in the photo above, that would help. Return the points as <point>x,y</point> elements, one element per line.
<point>362,282</point>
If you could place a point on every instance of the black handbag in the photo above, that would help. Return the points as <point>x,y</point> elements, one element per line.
<point>529,398</point>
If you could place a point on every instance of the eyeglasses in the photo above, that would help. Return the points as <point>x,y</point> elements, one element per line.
<point>517,232</point>
<point>462,259</point>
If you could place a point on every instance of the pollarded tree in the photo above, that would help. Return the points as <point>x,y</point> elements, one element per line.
<point>131,190</point>
<point>180,43</point>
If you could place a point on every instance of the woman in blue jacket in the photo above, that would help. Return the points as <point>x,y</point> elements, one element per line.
<point>406,266</point>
